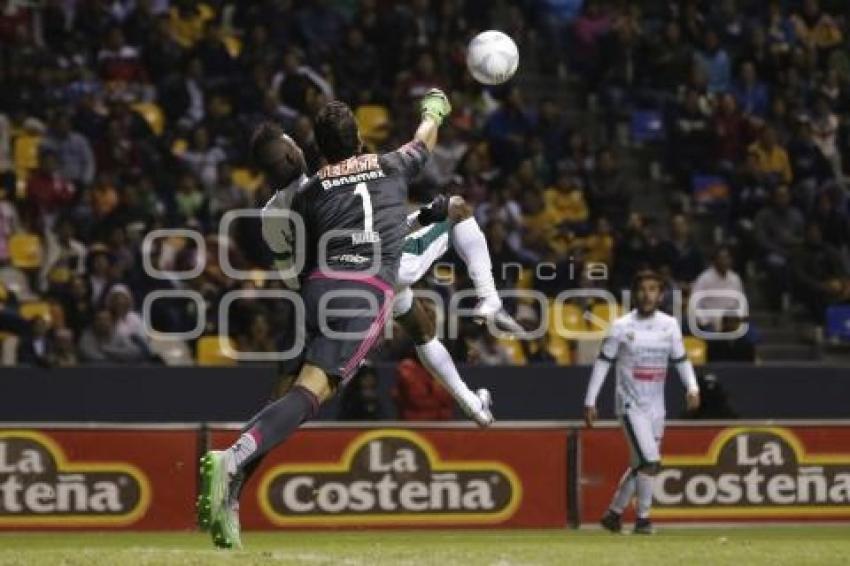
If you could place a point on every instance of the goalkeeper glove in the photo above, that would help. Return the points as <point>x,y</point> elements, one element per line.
<point>435,105</point>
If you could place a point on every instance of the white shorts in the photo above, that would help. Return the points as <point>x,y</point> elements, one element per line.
<point>421,249</point>
<point>643,431</point>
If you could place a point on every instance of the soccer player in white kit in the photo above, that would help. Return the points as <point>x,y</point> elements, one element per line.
<point>641,343</point>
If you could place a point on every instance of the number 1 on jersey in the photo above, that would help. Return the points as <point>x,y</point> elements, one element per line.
<point>361,190</point>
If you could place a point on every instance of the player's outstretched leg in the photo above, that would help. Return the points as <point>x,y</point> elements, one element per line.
<point>218,507</point>
<point>471,246</point>
<point>419,323</point>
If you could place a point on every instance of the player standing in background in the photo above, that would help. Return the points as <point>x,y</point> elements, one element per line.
<point>642,343</point>
<point>354,210</point>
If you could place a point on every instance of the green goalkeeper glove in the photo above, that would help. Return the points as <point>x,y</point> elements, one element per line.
<point>436,105</point>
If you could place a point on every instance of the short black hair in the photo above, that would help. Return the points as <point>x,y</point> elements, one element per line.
<point>336,132</point>
<point>277,155</point>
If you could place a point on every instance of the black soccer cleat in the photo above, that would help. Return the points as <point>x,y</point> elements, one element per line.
<point>643,527</point>
<point>612,521</point>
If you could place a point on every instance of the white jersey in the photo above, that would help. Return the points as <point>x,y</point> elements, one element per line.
<point>642,348</point>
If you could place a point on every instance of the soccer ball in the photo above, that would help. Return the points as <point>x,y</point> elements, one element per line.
<point>492,57</point>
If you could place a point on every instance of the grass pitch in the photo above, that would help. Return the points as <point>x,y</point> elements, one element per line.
<point>828,545</point>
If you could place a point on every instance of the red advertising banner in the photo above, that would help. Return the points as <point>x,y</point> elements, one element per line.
<point>388,478</point>
<point>97,479</point>
<point>736,473</point>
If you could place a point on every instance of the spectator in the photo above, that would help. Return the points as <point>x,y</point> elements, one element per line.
<point>34,348</point>
<point>225,195</point>
<point>671,59</point>
<point>681,252</point>
<point>566,202</point>
<point>127,322</point>
<point>751,93</point>
<point>772,159</point>
<point>101,344</point>
<point>779,231</point>
<point>73,151</point>
<point>490,352</point>
<point>731,130</point>
<point>739,349</point>
<point>48,190</point>
<point>10,223</point>
<point>63,354</point>
<point>257,337</point>
<point>722,288</point>
<point>610,190</point>
<point>819,274</point>
<point>203,159</point>
<point>715,63</point>
<point>190,200</point>
<point>360,400</point>
<point>418,396</point>
<point>824,133</point>
<point>63,251</point>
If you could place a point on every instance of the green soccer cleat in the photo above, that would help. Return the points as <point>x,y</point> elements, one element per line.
<point>225,530</point>
<point>213,493</point>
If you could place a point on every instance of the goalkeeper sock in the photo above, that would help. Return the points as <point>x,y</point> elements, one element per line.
<point>471,246</point>
<point>438,362</point>
<point>644,494</point>
<point>625,492</point>
<point>274,424</point>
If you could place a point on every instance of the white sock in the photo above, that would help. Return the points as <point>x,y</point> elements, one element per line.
<point>625,492</point>
<point>438,361</point>
<point>471,246</point>
<point>242,449</point>
<point>644,494</point>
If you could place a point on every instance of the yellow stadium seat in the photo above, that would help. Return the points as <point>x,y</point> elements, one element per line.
<point>526,279</point>
<point>25,153</point>
<point>211,353</point>
<point>374,122</point>
<point>152,114</point>
<point>566,321</point>
<point>233,45</point>
<point>604,315</point>
<point>515,350</point>
<point>36,309</point>
<point>697,350</point>
<point>246,179</point>
<point>25,251</point>
<point>560,350</point>
<point>179,147</point>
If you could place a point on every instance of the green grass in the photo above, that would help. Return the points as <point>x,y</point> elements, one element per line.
<point>733,545</point>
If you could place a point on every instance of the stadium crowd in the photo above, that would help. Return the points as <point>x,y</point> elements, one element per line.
<point>118,117</point>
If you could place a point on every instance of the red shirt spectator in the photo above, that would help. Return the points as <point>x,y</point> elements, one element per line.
<point>418,396</point>
<point>47,189</point>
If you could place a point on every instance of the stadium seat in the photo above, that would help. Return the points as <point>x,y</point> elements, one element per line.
<point>566,321</point>
<point>233,45</point>
<point>25,154</point>
<point>697,350</point>
<point>560,350</point>
<point>604,315</point>
<point>36,309</point>
<point>152,114</point>
<point>838,322</point>
<point>179,147</point>
<point>515,350</point>
<point>647,126</point>
<point>373,121</point>
<point>246,179</point>
<point>526,279</point>
<point>210,352</point>
<point>25,251</point>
